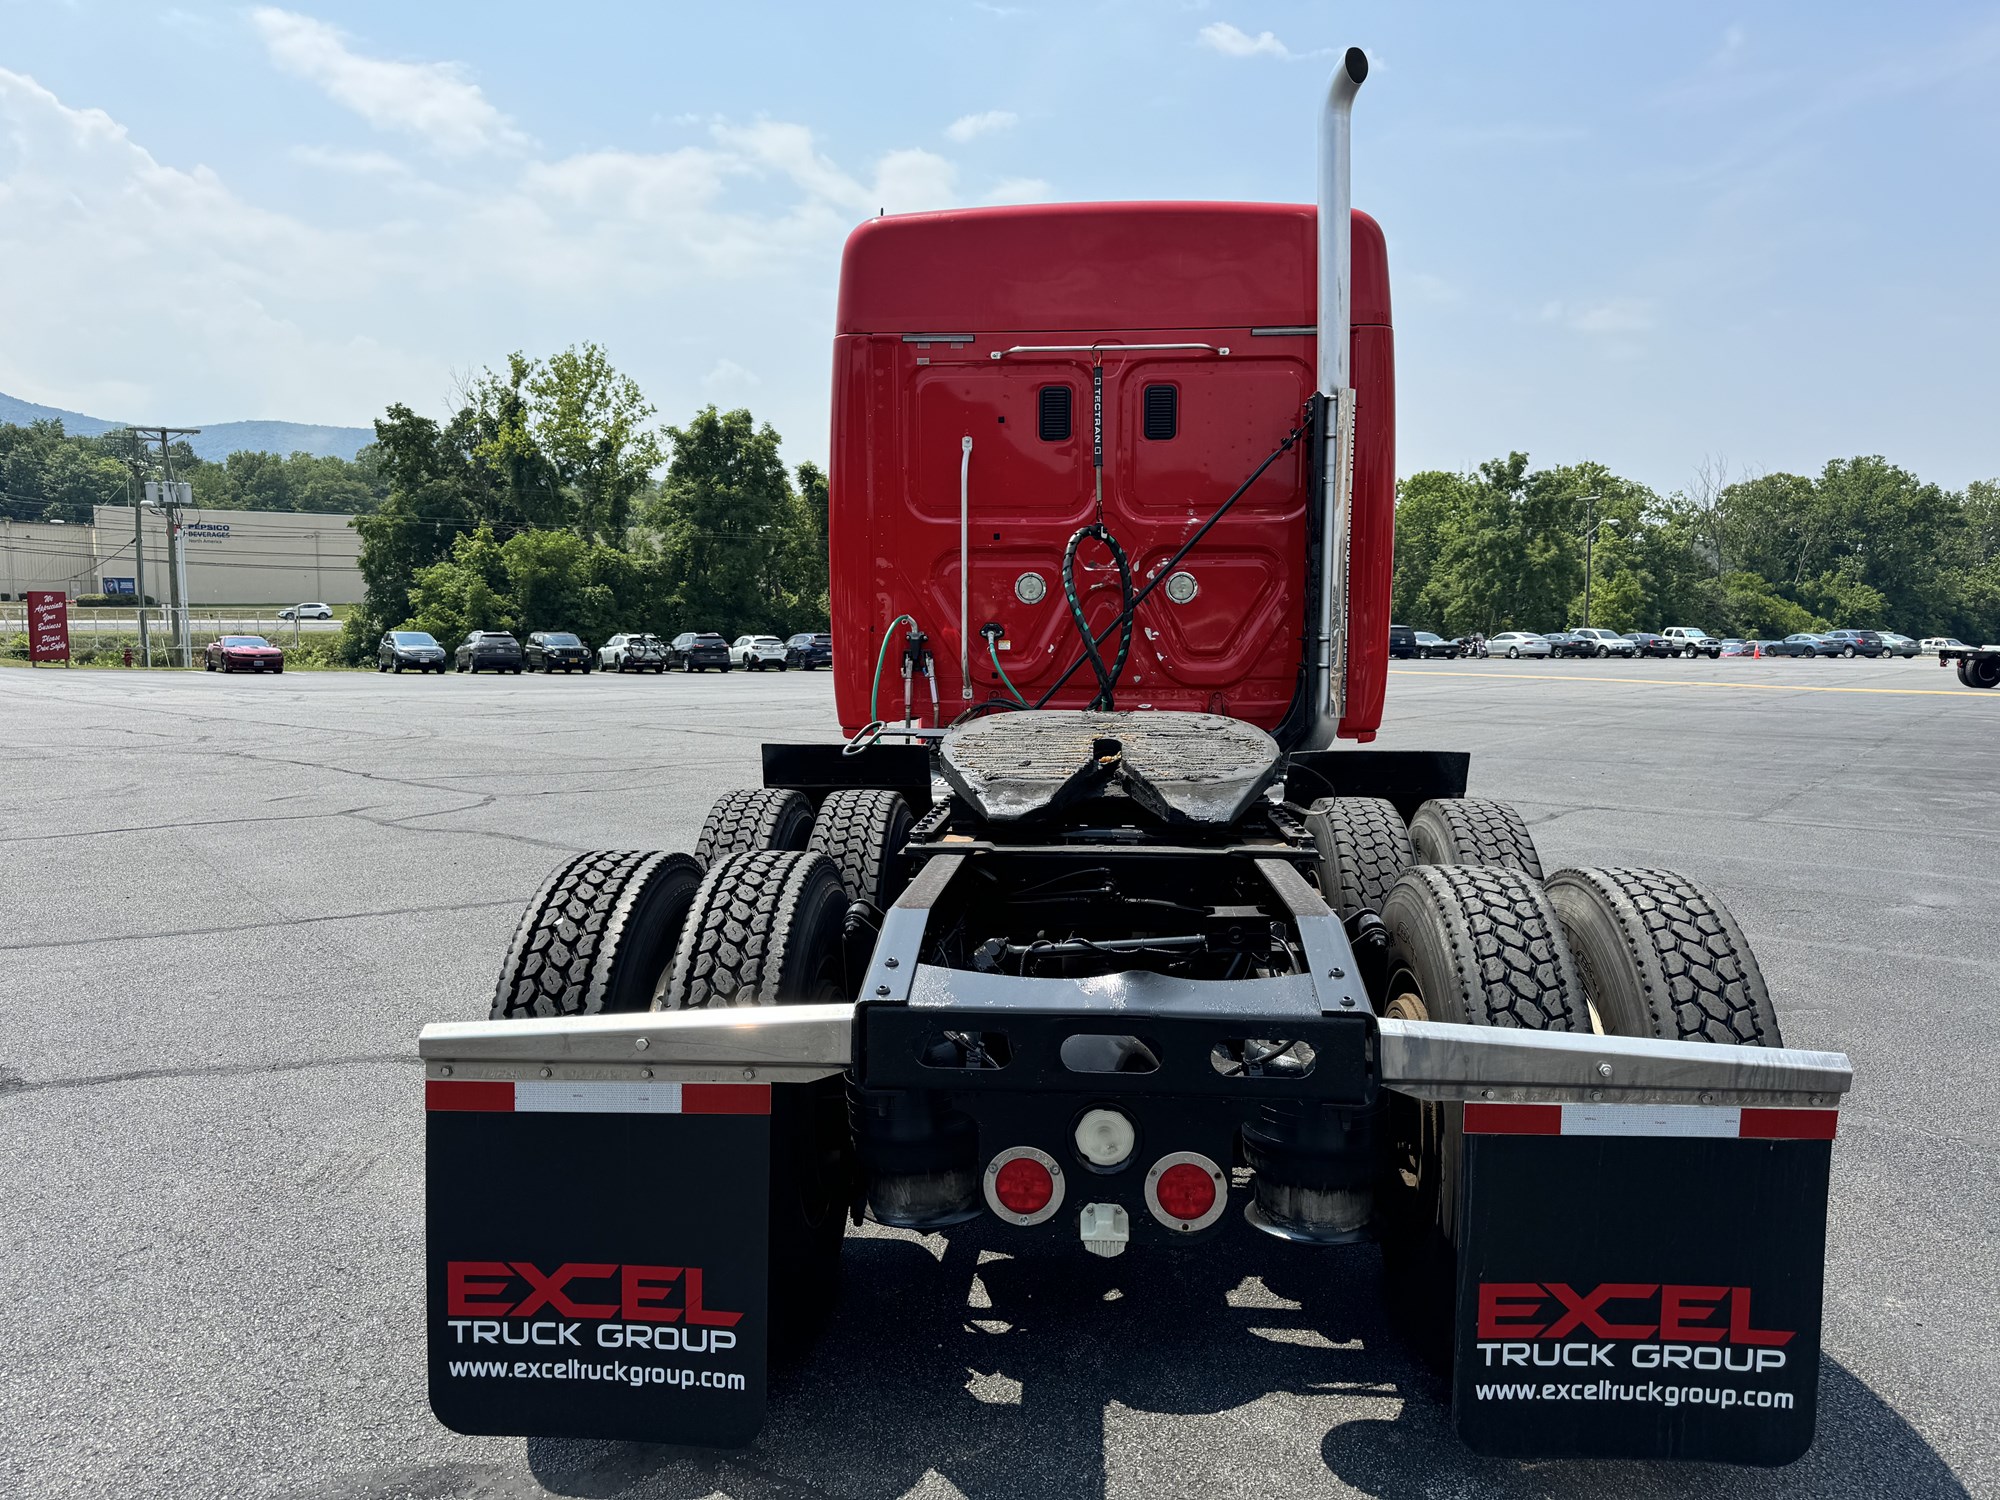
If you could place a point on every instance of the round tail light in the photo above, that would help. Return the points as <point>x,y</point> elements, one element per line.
<point>1023,1185</point>
<point>1186,1191</point>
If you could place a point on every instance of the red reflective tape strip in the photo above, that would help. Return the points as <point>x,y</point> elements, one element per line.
<point>1789,1124</point>
<point>1513,1119</point>
<point>726,1099</point>
<point>480,1095</point>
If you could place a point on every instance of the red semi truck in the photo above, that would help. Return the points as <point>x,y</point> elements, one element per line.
<point>1095,928</point>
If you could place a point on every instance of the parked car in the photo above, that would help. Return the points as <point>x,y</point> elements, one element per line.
<point>1429,645</point>
<point>1858,643</point>
<point>1692,640</point>
<point>1805,643</point>
<point>1645,643</point>
<point>489,651</point>
<point>1568,643</point>
<point>808,650</point>
<point>754,653</point>
<point>307,612</point>
<point>633,652</point>
<point>1930,645</point>
<point>1605,642</point>
<point>1734,647</point>
<point>1514,644</point>
<point>1402,643</point>
<point>409,648</point>
<point>556,651</point>
<point>242,653</point>
<point>1899,645</point>
<point>697,651</point>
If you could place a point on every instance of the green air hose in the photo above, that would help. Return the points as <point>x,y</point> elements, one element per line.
<point>993,650</point>
<point>875,691</point>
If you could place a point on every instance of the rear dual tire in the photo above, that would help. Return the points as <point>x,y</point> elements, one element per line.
<point>597,936</point>
<point>1644,953</point>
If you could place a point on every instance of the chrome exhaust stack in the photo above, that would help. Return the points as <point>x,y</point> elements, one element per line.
<point>1336,290</point>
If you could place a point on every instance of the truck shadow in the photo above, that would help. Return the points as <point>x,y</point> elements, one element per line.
<point>986,1375</point>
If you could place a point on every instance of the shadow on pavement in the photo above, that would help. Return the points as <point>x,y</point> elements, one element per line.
<point>911,1388</point>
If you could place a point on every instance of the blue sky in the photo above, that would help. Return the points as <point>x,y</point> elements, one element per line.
<point>1754,234</point>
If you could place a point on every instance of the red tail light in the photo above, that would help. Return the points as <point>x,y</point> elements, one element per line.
<point>1186,1191</point>
<point>1023,1185</point>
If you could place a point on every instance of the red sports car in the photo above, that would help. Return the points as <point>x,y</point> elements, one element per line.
<point>243,653</point>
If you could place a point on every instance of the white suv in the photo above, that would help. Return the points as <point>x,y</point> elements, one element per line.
<point>756,652</point>
<point>1689,640</point>
<point>307,612</point>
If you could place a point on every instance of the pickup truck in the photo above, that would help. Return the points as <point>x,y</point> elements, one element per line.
<point>1688,640</point>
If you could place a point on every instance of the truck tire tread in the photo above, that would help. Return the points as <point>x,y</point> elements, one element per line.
<point>755,818</point>
<point>1473,831</point>
<point>764,929</point>
<point>596,936</point>
<point>1662,957</point>
<point>863,830</point>
<point>1510,961</point>
<point>1363,849</point>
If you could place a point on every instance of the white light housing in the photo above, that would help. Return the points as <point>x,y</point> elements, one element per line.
<point>1031,588</point>
<point>1181,587</point>
<point>1105,1137</point>
<point>1105,1228</point>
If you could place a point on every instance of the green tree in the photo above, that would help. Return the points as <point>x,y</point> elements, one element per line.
<point>725,517</point>
<point>588,424</point>
<point>469,590</point>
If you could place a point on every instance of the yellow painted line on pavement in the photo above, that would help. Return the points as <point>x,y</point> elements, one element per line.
<point>1750,687</point>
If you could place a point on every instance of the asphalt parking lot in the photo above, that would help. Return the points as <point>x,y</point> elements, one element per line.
<point>231,903</point>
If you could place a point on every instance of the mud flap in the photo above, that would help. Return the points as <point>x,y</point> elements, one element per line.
<point>1640,1281</point>
<point>597,1258</point>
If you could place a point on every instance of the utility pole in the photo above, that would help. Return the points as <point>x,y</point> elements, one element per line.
<point>170,505</point>
<point>135,486</point>
<point>1590,525</point>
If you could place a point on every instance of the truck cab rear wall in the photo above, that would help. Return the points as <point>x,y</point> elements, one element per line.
<point>1234,276</point>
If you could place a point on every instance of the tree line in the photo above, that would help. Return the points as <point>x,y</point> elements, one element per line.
<point>1861,545</point>
<point>47,474</point>
<point>536,506</point>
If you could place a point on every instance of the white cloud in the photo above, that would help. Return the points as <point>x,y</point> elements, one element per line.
<point>1220,36</point>
<point>281,315</point>
<point>1619,317</point>
<point>351,163</point>
<point>729,375</point>
<point>966,127</point>
<point>433,101</point>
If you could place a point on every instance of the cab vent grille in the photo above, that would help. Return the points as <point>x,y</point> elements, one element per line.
<point>1054,413</point>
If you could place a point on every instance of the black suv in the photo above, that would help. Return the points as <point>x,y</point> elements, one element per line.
<point>409,648</point>
<point>809,650</point>
<point>1649,644</point>
<point>1402,643</point>
<point>557,651</point>
<point>697,651</point>
<point>489,651</point>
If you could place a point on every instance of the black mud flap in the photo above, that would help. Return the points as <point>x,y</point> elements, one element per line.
<point>597,1259</point>
<point>1640,1282</point>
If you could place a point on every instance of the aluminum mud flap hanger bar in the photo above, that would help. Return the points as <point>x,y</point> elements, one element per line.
<point>1637,1228</point>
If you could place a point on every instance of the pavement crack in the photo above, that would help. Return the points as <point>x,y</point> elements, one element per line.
<point>346,916</point>
<point>12,1083</point>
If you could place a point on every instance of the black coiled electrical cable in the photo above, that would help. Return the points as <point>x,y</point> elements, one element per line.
<point>1107,677</point>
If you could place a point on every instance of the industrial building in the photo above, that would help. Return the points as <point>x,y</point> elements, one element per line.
<point>234,557</point>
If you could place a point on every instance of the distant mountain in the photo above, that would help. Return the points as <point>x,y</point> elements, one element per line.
<point>215,441</point>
